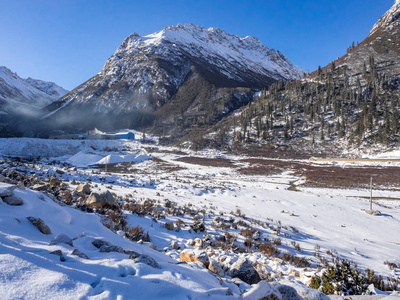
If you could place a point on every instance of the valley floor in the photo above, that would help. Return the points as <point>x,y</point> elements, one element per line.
<point>248,200</point>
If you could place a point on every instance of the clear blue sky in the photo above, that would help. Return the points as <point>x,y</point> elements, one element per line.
<point>68,41</point>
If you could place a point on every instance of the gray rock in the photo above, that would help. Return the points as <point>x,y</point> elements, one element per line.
<point>175,245</point>
<point>105,246</point>
<point>98,243</point>
<point>145,259</point>
<point>84,188</point>
<point>80,254</point>
<point>287,292</point>
<point>61,238</point>
<point>98,200</point>
<point>12,200</point>
<point>111,248</point>
<point>169,226</point>
<point>8,191</point>
<point>40,187</point>
<point>2,178</point>
<point>39,223</point>
<point>131,253</point>
<point>244,270</point>
<point>262,291</point>
<point>59,253</point>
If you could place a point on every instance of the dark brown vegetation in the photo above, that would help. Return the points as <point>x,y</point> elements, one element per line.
<point>208,162</point>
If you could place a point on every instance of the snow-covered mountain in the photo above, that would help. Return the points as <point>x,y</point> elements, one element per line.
<point>149,72</point>
<point>18,94</point>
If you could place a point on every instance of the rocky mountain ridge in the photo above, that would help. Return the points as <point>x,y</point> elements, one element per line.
<point>24,95</point>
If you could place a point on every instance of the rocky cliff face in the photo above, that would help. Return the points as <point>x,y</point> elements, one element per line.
<point>177,71</point>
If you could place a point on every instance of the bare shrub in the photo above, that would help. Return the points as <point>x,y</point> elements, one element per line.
<point>136,233</point>
<point>268,249</point>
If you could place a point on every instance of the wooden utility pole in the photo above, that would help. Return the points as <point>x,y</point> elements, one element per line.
<point>370,197</point>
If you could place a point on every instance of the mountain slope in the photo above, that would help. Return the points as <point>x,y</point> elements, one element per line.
<point>383,44</point>
<point>24,95</point>
<point>350,105</point>
<point>146,73</point>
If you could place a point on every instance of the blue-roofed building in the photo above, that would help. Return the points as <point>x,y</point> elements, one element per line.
<point>128,135</point>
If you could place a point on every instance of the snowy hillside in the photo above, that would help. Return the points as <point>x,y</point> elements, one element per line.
<point>23,95</point>
<point>181,225</point>
<point>392,15</point>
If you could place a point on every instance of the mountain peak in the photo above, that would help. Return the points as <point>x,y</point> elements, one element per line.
<point>211,43</point>
<point>391,16</point>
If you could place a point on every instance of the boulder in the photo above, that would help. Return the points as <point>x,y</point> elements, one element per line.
<point>7,191</point>
<point>2,178</point>
<point>59,253</point>
<point>302,290</point>
<point>98,243</point>
<point>98,200</point>
<point>111,248</point>
<point>196,256</point>
<point>105,246</point>
<point>294,273</point>
<point>40,187</point>
<point>244,270</point>
<point>198,243</point>
<point>287,292</point>
<point>61,238</point>
<point>145,259</point>
<point>60,172</point>
<point>21,185</point>
<point>39,223</point>
<point>80,254</point>
<point>169,226</point>
<point>84,188</point>
<point>12,200</point>
<point>175,245</point>
<point>262,291</point>
<point>215,267</point>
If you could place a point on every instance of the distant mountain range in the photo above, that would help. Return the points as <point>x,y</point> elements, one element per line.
<point>183,70</point>
<point>20,95</point>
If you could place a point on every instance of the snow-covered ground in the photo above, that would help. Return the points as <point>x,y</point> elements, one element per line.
<point>307,221</point>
